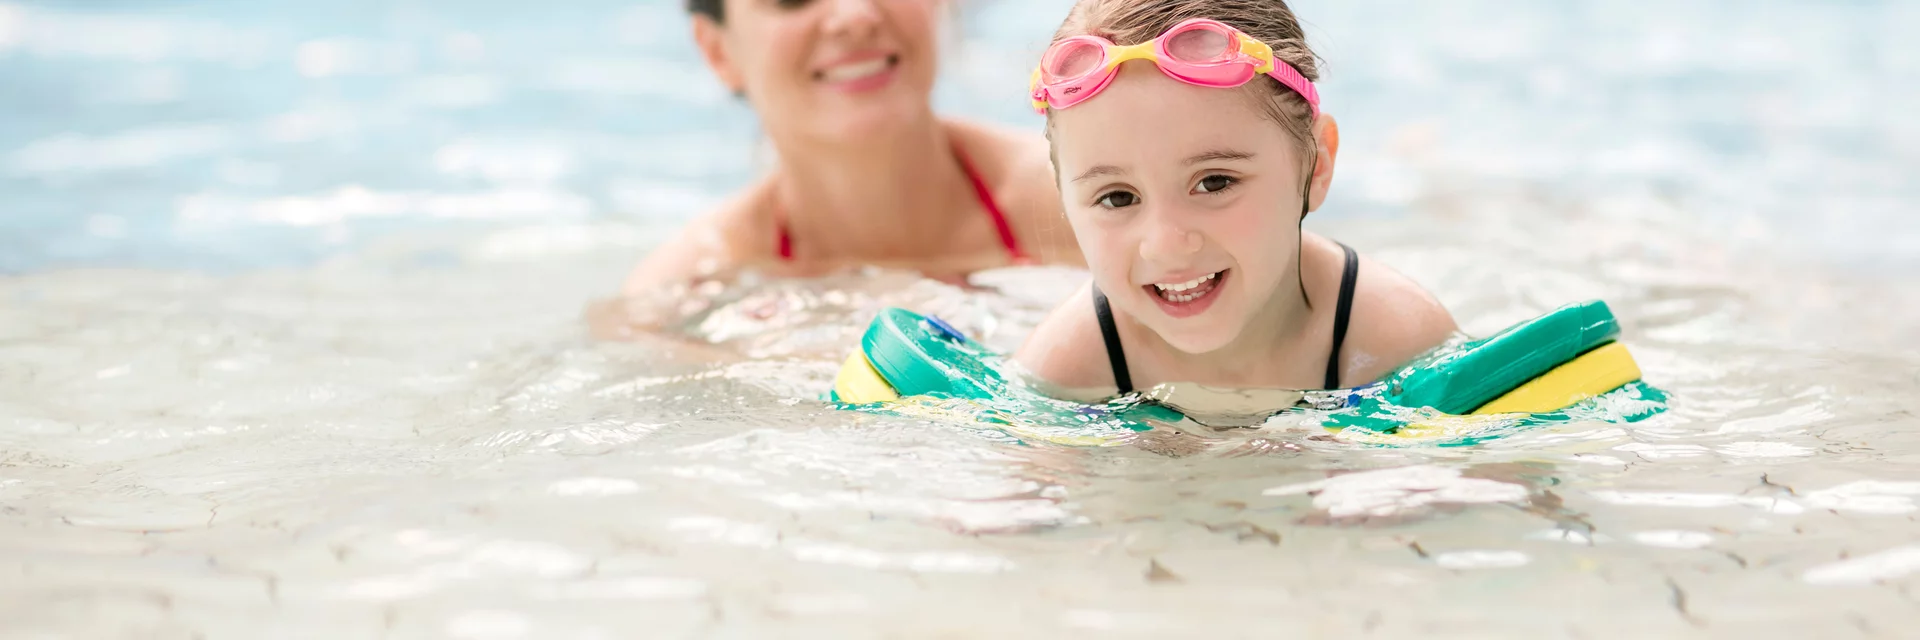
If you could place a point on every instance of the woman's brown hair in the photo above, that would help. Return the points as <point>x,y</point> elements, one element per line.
<point>716,9</point>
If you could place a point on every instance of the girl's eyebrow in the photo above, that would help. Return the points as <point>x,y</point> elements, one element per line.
<point>1102,170</point>
<point>1218,154</point>
<point>1210,155</point>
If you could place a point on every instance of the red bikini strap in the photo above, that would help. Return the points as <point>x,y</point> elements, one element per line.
<point>985,195</point>
<point>784,238</point>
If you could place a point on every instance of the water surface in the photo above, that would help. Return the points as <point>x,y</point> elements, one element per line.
<point>294,344</point>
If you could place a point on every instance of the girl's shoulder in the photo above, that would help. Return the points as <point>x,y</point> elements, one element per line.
<point>1392,321</point>
<point>1066,351</point>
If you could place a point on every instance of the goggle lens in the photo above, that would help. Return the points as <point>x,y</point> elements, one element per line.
<point>1201,44</point>
<point>1074,59</point>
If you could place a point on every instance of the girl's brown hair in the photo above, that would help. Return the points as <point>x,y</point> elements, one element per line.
<point>1129,22</point>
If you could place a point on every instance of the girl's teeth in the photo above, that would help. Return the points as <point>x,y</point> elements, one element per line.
<point>1183,286</point>
<point>1186,291</point>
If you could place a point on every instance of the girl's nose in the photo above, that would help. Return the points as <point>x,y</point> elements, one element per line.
<point>1168,242</point>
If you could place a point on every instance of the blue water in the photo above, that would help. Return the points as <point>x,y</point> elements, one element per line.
<point>226,135</point>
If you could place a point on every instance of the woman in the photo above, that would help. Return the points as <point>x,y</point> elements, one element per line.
<point>868,175</point>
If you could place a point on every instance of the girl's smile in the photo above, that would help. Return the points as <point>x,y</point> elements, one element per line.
<point>1188,298</point>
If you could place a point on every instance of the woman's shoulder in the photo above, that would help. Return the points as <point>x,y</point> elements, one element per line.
<point>1393,319</point>
<point>737,232</point>
<point>1018,169</point>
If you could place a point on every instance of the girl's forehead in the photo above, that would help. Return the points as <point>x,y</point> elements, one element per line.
<point>1141,92</point>
<point>1152,116</point>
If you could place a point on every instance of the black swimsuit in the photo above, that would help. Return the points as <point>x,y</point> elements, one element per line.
<point>1117,357</point>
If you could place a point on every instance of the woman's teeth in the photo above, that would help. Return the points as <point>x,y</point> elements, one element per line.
<point>1189,290</point>
<point>856,70</point>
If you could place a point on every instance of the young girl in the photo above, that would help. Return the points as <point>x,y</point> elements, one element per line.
<point>1189,144</point>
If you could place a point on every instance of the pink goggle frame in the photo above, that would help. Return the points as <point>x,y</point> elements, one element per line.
<point>1199,52</point>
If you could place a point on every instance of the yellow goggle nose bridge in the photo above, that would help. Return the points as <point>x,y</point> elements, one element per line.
<point>1142,51</point>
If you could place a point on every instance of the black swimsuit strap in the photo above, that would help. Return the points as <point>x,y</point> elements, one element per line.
<point>1349,277</point>
<point>1342,315</point>
<point>1116,356</point>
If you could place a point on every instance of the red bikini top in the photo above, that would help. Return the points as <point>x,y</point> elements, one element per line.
<point>979,189</point>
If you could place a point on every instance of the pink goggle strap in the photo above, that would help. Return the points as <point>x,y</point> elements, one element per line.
<point>1291,78</point>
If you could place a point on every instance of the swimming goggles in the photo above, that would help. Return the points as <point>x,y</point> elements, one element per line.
<point>1199,52</point>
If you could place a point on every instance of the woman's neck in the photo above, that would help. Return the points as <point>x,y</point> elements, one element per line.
<point>895,194</point>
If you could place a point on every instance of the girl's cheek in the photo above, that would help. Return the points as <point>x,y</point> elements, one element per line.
<point>1115,252</point>
<point>1103,248</point>
<point>1254,228</point>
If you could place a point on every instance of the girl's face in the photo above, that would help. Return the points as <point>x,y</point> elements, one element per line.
<point>829,69</point>
<point>1186,201</point>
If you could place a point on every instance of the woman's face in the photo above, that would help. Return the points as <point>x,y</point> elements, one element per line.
<point>826,69</point>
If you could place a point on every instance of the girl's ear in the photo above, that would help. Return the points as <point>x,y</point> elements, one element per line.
<point>711,39</point>
<point>1328,131</point>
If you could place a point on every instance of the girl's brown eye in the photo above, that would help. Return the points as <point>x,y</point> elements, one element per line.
<point>1212,184</point>
<point>791,4</point>
<point>1117,200</point>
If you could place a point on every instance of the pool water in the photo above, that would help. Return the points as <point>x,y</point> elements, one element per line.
<point>305,332</point>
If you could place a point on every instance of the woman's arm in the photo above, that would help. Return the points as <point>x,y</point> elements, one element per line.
<point>711,246</point>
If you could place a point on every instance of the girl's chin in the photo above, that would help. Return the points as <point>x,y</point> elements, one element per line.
<point>1199,340</point>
